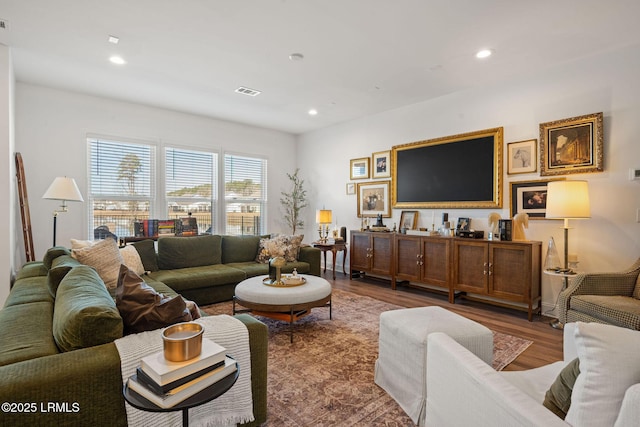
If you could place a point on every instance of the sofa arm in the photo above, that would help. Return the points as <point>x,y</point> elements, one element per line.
<point>81,387</point>
<point>311,255</point>
<point>462,390</point>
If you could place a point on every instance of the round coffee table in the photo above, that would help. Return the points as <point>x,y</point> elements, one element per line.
<point>288,303</point>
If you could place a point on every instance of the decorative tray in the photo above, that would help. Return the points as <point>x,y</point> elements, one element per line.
<point>286,282</point>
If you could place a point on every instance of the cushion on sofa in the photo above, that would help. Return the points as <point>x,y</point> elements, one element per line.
<point>105,257</point>
<point>617,310</point>
<point>609,365</point>
<point>184,252</point>
<point>84,314</point>
<point>59,268</point>
<point>282,245</point>
<point>636,290</point>
<point>53,253</point>
<point>199,277</point>
<point>239,248</point>
<point>558,397</point>
<point>28,290</point>
<point>144,309</point>
<point>32,269</point>
<point>147,251</point>
<point>132,259</point>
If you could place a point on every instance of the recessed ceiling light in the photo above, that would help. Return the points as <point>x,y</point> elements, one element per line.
<point>117,60</point>
<point>296,57</point>
<point>247,91</point>
<point>313,112</point>
<point>113,39</point>
<point>484,53</point>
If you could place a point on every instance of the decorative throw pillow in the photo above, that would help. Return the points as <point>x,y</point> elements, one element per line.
<point>282,245</point>
<point>53,253</point>
<point>132,259</point>
<point>558,397</point>
<point>105,257</point>
<point>147,251</point>
<point>144,309</point>
<point>608,367</point>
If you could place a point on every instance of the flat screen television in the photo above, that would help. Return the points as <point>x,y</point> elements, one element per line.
<point>461,171</point>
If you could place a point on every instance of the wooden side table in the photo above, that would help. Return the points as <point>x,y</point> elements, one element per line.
<point>334,247</point>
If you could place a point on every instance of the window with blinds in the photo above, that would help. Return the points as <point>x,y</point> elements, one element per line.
<point>245,194</point>
<point>121,178</point>
<point>191,186</point>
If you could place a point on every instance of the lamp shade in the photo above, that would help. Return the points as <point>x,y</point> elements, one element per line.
<point>323,216</point>
<point>568,200</point>
<point>63,188</point>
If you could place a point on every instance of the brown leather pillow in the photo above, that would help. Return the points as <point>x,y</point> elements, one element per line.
<point>144,309</point>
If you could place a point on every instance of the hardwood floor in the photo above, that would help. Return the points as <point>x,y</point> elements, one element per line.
<point>547,341</point>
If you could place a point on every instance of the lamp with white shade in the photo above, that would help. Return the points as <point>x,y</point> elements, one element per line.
<point>65,189</point>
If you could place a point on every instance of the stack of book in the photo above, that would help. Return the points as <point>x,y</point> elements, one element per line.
<point>167,383</point>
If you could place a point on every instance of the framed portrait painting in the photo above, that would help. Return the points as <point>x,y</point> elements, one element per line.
<point>359,168</point>
<point>530,197</point>
<point>572,145</point>
<point>374,199</point>
<point>522,157</point>
<point>381,164</point>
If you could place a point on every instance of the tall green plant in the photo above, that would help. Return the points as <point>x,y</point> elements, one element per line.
<point>293,202</point>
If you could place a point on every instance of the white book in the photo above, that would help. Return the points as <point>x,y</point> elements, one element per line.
<point>183,392</point>
<point>163,371</point>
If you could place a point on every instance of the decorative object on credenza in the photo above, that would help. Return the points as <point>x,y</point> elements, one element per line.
<point>493,219</point>
<point>505,229</point>
<point>573,145</point>
<point>359,168</point>
<point>530,197</point>
<point>409,220</point>
<point>464,224</point>
<point>293,202</point>
<point>374,199</point>
<point>522,157</point>
<point>520,222</point>
<point>323,219</point>
<point>381,164</point>
<point>65,189</point>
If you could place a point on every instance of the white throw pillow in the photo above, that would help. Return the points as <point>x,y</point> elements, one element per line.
<point>79,244</point>
<point>132,260</point>
<point>105,258</point>
<point>609,365</point>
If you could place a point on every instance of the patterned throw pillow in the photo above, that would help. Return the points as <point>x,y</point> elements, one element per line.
<point>105,257</point>
<point>282,245</point>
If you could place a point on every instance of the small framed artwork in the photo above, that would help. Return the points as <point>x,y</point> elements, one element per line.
<point>360,168</point>
<point>381,164</point>
<point>374,199</point>
<point>530,197</point>
<point>351,188</point>
<point>522,157</point>
<point>409,220</point>
<point>572,145</point>
<point>464,224</point>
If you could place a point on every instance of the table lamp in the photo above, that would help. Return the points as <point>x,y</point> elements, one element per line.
<point>323,218</point>
<point>567,200</point>
<point>65,189</point>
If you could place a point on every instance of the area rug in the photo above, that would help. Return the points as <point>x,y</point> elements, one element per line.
<point>325,378</point>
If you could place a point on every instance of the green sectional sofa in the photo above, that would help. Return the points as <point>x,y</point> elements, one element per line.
<point>59,322</point>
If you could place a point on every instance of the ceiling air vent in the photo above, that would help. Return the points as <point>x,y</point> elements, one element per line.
<point>3,24</point>
<point>246,91</point>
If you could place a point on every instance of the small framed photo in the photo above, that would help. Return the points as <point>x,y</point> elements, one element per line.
<point>572,145</point>
<point>409,220</point>
<point>351,188</point>
<point>530,197</point>
<point>381,164</point>
<point>374,199</point>
<point>360,168</point>
<point>464,224</point>
<point>522,157</point>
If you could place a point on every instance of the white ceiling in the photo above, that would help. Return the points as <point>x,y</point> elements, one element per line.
<point>361,57</point>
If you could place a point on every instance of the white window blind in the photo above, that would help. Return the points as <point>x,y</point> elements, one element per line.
<point>121,177</point>
<point>191,186</point>
<point>245,191</point>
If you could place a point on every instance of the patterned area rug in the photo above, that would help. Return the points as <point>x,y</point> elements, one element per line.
<point>325,378</point>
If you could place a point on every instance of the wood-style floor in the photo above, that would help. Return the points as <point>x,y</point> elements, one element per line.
<point>547,341</point>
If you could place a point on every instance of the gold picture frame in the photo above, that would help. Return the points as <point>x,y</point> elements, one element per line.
<point>374,199</point>
<point>522,157</point>
<point>359,168</point>
<point>409,220</point>
<point>573,145</point>
<point>381,164</point>
<point>351,188</point>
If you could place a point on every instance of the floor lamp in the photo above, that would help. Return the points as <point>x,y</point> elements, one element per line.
<point>567,200</point>
<point>65,189</point>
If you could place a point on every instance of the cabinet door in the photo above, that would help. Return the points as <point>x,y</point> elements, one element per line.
<point>510,271</point>
<point>408,257</point>
<point>382,253</point>
<point>436,265</point>
<point>471,266</point>
<point>360,251</point>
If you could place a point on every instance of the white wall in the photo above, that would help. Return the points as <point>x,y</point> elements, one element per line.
<point>610,240</point>
<point>51,131</point>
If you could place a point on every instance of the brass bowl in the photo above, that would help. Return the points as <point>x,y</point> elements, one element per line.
<point>182,341</point>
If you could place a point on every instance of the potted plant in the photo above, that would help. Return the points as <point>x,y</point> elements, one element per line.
<point>294,201</point>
